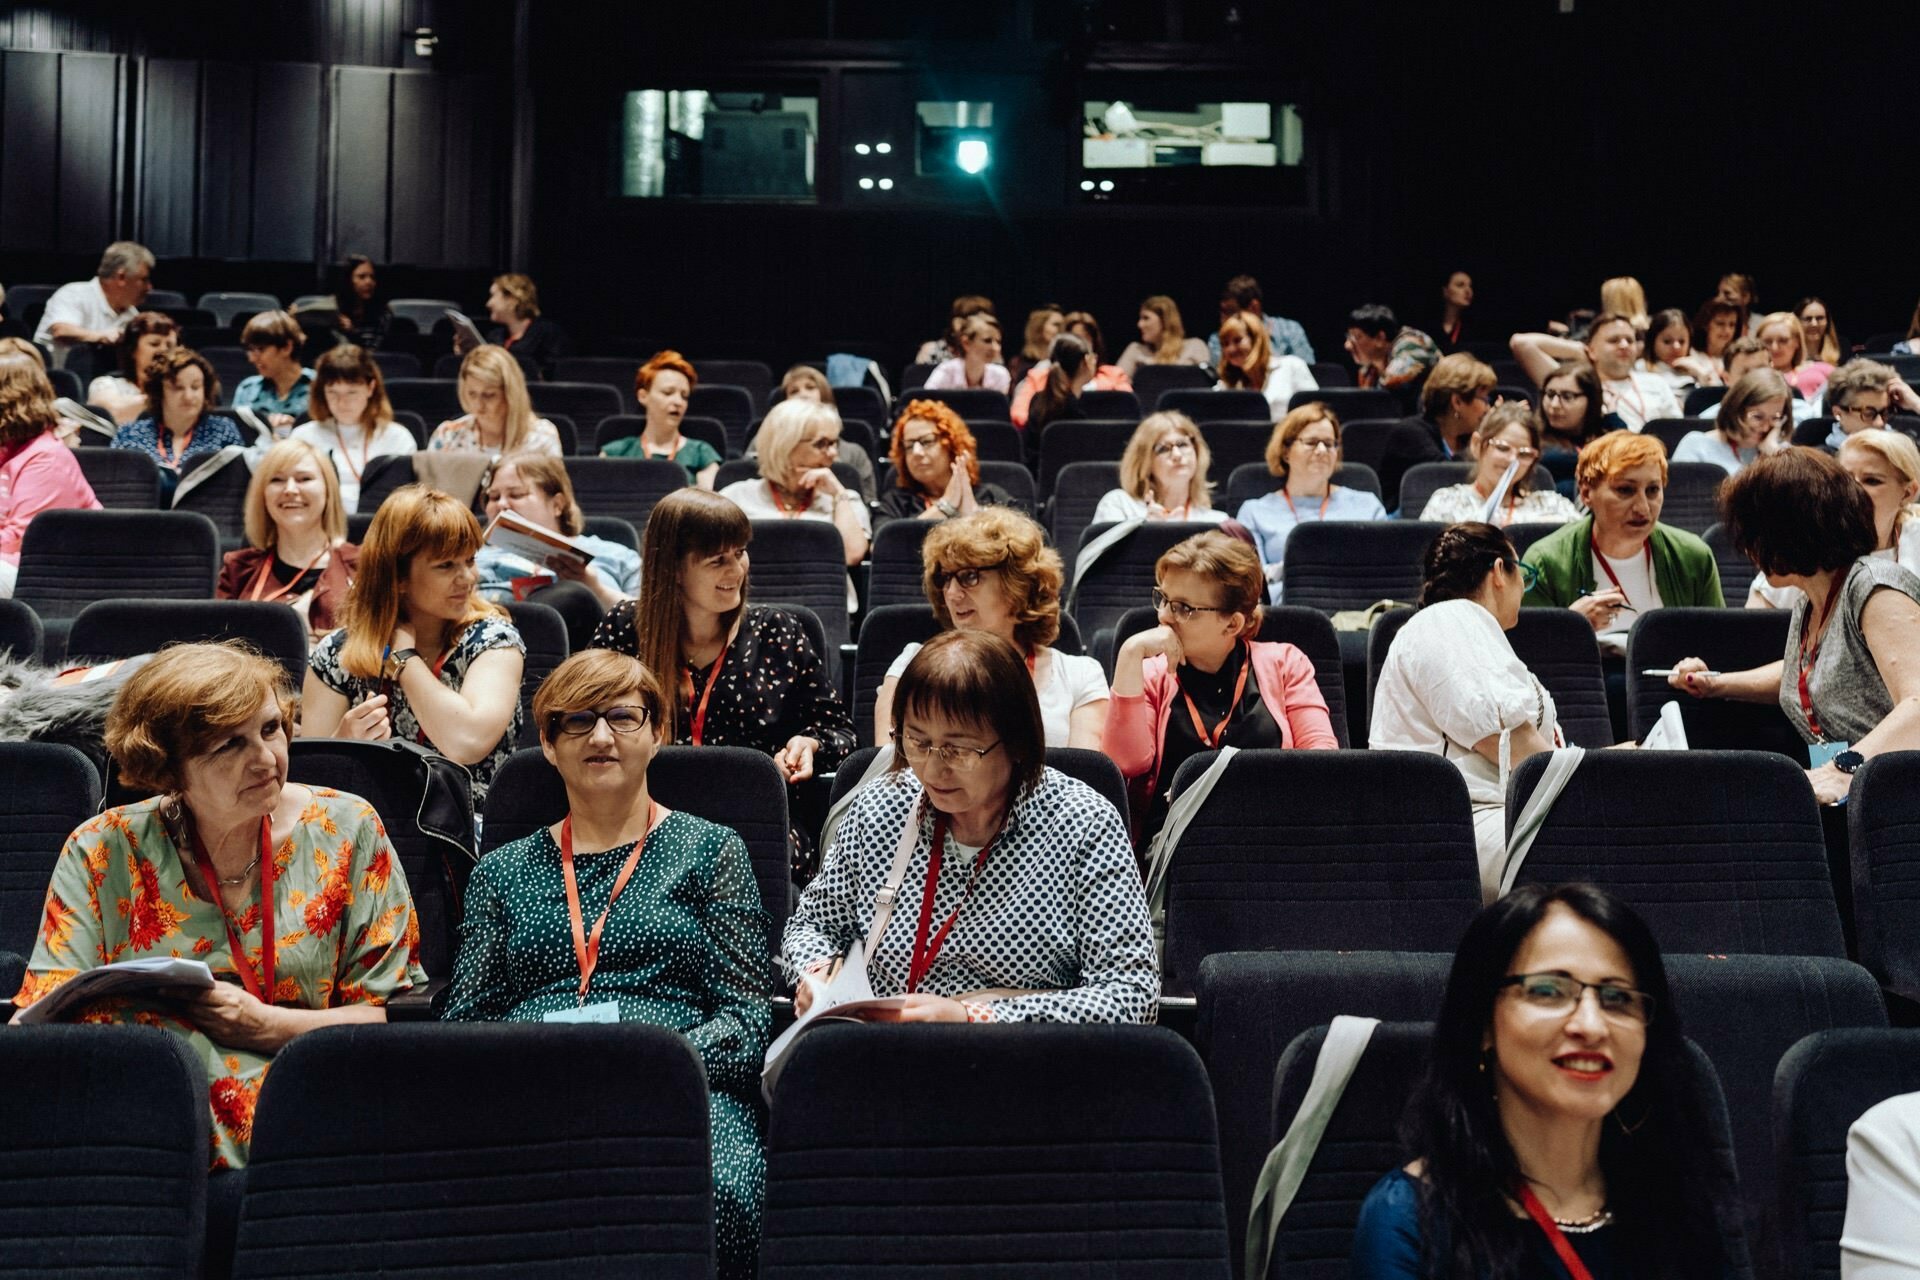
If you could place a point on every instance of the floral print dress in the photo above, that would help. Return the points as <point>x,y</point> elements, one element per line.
<point>345,931</point>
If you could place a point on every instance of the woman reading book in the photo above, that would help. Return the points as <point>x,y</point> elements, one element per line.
<point>532,489</point>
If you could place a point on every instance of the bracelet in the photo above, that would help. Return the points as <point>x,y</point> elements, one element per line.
<point>844,496</point>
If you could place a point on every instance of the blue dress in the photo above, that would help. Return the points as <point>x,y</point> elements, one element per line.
<point>1386,1241</point>
<point>1270,519</point>
<point>214,432</point>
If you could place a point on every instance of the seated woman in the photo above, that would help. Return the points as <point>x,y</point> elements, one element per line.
<point>978,364</point>
<point>798,443</point>
<point>1786,344</point>
<point>1092,374</point>
<point>685,941</point>
<point>1163,339</point>
<point>1509,433</point>
<point>280,387</point>
<point>936,467</point>
<point>1755,418</point>
<point>1044,323</point>
<point>535,487</point>
<point>352,421</point>
<point>735,676</point>
<point>1671,358</point>
<point>142,339</point>
<point>993,571</point>
<point>1247,362</point>
<point>934,350</point>
<point>1238,691</point>
<point>1453,687</point>
<point>420,655</point>
<point>37,472</point>
<point>1549,1123</point>
<point>804,382</point>
<point>1163,474</point>
<point>297,550</point>
<point>499,415</point>
<point>1887,465</point>
<point>662,386</point>
<point>184,431</point>
<point>1304,452</point>
<point>205,725</point>
<point>516,325</point>
<point>1644,564</point>
<point>1045,917</point>
<point>356,292</point>
<point>1570,408</point>
<point>1850,678</point>
<point>1715,325</point>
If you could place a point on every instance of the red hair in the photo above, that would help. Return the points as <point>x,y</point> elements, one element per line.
<point>948,425</point>
<point>662,362</point>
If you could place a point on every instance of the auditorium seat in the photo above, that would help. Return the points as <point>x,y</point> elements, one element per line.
<point>887,629</point>
<point>424,312</point>
<point>1233,444</point>
<point>383,475</point>
<point>123,479</point>
<point>1209,405</point>
<point>1721,851</point>
<point>1099,592</point>
<point>544,632</point>
<point>1883,824</point>
<point>621,426</point>
<point>1670,431</point>
<point>971,403</point>
<point>46,790</point>
<point>613,529</point>
<point>616,372</point>
<point>1151,381</point>
<point>124,628</point>
<point>1693,495</point>
<point>584,402</point>
<point>396,364</point>
<point>105,1171</point>
<point>233,310</point>
<point>1320,850</point>
<point>1252,480</point>
<point>624,487</point>
<point>732,407</point>
<point>862,404</point>
<point>1736,571</point>
<point>1350,402</point>
<point>1353,564</point>
<point>1071,440</point>
<point>1330,375</point>
<point>1730,639</point>
<point>1251,1007</point>
<point>66,382</point>
<point>804,562</point>
<point>415,424</point>
<point>447,366</point>
<point>1306,629</point>
<point>1110,404</point>
<point>21,634</point>
<point>1421,482</point>
<point>754,376</point>
<point>1517,393</point>
<point>1701,398</point>
<point>1824,1084</point>
<point>69,559</point>
<point>219,492</point>
<point>230,366</point>
<point>1039,1175</point>
<point>1076,493</point>
<point>533,1155</point>
<point>436,400</point>
<point>736,787</point>
<point>897,574</point>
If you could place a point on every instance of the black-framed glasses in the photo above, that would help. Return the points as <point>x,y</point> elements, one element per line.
<point>825,443</point>
<point>926,444</point>
<point>960,759</point>
<point>578,724</point>
<point>1872,413</point>
<point>1180,608</point>
<point>1171,447</point>
<point>1559,396</point>
<point>1558,994</point>
<point>967,578</point>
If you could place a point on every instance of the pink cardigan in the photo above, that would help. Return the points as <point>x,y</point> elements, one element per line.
<point>40,474</point>
<point>1136,726</point>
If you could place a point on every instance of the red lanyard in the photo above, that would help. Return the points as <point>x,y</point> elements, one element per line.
<point>366,444</point>
<point>160,438</point>
<point>1296,511</point>
<point>1555,1237</point>
<point>780,504</point>
<point>925,949</point>
<point>259,983</point>
<point>1220,730</point>
<point>1614,578</point>
<point>1810,654</point>
<point>266,568</point>
<point>713,678</point>
<point>1639,403</point>
<point>586,946</point>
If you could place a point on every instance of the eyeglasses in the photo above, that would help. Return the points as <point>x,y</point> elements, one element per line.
<point>1558,995</point>
<point>1768,420</point>
<point>1172,447</point>
<point>1318,446</point>
<point>578,724</point>
<point>926,444</point>
<point>1525,453</point>
<point>1872,413</point>
<point>919,751</point>
<point>1529,575</point>
<point>1180,608</point>
<point>1563,395</point>
<point>967,578</point>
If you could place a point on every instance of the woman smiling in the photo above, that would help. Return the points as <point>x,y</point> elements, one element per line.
<point>1163,474</point>
<point>297,528</point>
<point>1304,452</point>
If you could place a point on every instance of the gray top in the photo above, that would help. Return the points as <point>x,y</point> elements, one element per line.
<point>1849,697</point>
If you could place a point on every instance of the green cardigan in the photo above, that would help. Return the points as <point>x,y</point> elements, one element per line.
<point>1683,567</point>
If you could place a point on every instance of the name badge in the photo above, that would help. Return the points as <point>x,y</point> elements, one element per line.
<point>604,1011</point>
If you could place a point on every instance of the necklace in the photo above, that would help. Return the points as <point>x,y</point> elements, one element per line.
<point>242,877</point>
<point>1601,1217</point>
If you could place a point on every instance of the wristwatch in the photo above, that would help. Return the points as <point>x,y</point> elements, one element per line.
<point>398,662</point>
<point>1847,761</point>
<point>946,508</point>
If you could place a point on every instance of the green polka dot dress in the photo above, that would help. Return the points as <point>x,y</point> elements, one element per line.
<point>684,947</point>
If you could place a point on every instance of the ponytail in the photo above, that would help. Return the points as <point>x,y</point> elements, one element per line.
<point>1069,353</point>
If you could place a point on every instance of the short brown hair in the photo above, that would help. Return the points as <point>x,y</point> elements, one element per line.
<point>187,697</point>
<point>1756,386</point>
<point>1456,375</point>
<point>169,365</point>
<point>1288,429</point>
<point>1228,563</point>
<point>519,290</point>
<point>1615,452</point>
<point>349,363</point>
<point>26,400</point>
<point>805,375</point>
<point>1856,376</point>
<point>664,362</point>
<point>948,425</point>
<point>135,329</point>
<point>1798,512</point>
<point>975,677</point>
<point>589,679</point>
<point>272,329</point>
<point>1012,545</point>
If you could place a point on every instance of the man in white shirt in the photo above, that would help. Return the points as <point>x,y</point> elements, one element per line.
<point>92,311</point>
<point>1636,397</point>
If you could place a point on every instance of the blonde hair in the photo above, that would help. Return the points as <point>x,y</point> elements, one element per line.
<point>496,366</point>
<point>1136,464</point>
<point>1013,546</point>
<point>805,375</point>
<point>1255,373</point>
<point>185,699</point>
<point>520,291</point>
<point>1173,334</point>
<point>26,399</point>
<point>1036,341</point>
<point>1230,565</point>
<point>413,521</point>
<point>1898,451</point>
<point>548,474</point>
<point>1798,330</point>
<point>1615,452</point>
<point>1288,429</point>
<point>1624,296</point>
<point>786,426</point>
<point>262,532</point>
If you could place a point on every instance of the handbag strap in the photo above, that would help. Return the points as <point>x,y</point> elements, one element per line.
<point>1286,1165</point>
<point>1092,552</point>
<point>1180,813</point>
<point>837,811</point>
<point>889,894</point>
<point>1533,816</point>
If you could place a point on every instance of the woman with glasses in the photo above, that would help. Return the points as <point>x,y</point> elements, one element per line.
<point>936,467</point>
<point>1304,452</point>
<point>1030,907</point>
<point>1554,1132</point>
<point>669,906</point>
<point>1509,433</point>
<point>1786,343</point>
<point>1200,680</point>
<point>1754,419</point>
<point>796,446</point>
<point>1452,685</point>
<point>1163,475</point>
<point>993,571</point>
<point>1570,407</point>
<point>735,676</point>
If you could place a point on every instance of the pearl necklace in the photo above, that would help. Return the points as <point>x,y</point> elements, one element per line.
<point>1601,1217</point>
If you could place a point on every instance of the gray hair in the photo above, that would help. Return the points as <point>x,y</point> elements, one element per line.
<point>785,427</point>
<point>124,255</point>
<point>1857,375</point>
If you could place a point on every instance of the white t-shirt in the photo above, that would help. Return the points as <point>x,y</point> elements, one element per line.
<point>82,303</point>
<point>1638,398</point>
<point>1070,683</point>
<point>1285,375</point>
<point>1711,446</point>
<point>1117,505</point>
<point>351,451</point>
<point>1637,584</point>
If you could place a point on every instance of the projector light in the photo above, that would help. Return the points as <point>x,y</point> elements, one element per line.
<point>1086,184</point>
<point>886,184</point>
<point>884,148</point>
<point>866,184</point>
<point>861,149</point>
<point>1106,184</point>
<point>971,155</point>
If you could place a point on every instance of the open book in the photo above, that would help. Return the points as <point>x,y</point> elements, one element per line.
<point>513,532</point>
<point>124,978</point>
<point>469,332</point>
<point>843,999</point>
<point>1669,732</point>
<point>87,418</point>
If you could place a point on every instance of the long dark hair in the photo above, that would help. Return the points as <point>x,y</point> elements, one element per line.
<point>1651,1148</point>
<point>358,313</point>
<point>1056,400</point>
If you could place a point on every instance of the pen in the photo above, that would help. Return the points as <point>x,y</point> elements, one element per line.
<point>1666,673</point>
